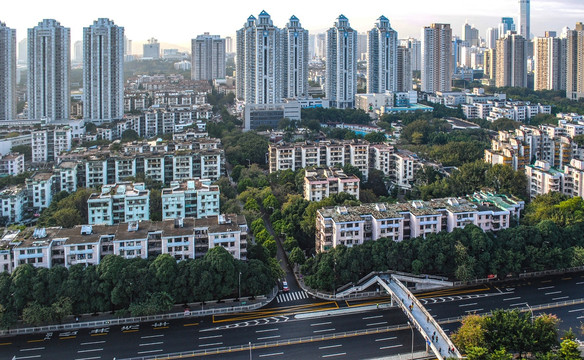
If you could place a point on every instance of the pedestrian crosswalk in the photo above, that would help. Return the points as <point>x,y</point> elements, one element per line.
<point>292,296</point>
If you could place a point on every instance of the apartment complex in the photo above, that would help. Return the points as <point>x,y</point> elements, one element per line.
<point>46,145</point>
<point>437,62</point>
<point>574,63</point>
<point>11,164</point>
<point>382,55</point>
<point>190,198</point>
<point>320,183</point>
<point>350,226</point>
<point>183,239</point>
<point>208,57</point>
<point>14,202</point>
<point>119,203</point>
<point>568,180</point>
<point>549,63</point>
<point>341,64</point>
<point>7,72</point>
<point>41,188</point>
<point>103,71</point>
<point>511,61</point>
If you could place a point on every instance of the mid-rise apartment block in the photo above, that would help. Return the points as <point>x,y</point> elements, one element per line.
<point>542,179</point>
<point>41,188</point>
<point>11,164</point>
<point>350,226</point>
<point>118,203</point>
<point>47,144</point>
<point>320,183</point>
<point>190,198</point>
<point>14,204</point>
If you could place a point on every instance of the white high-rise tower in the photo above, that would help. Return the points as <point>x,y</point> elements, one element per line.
<point>7,72</point>
<point>341,64</point>
<point>103,71</point>
<point>295,41</point>
<point>49,64</point>
<point>382,57</point>
<point>436,58</point>
<point>208,57</point>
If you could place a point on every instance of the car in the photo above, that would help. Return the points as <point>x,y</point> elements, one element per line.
<point>285,287</point>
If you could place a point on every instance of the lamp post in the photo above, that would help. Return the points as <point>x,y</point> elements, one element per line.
<point>239,287</point>
<point>531,310</point>
<point>250,350</point>
<point>412,329</point>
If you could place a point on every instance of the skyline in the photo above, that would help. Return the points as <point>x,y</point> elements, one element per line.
<point>404,18</point>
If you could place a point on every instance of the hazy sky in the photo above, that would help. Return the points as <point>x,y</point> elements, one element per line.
<point>177,21</point>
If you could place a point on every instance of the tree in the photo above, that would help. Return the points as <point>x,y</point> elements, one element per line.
<point>130,135</point>
<point>271,246</point>
<point>67,217</point>
<point>155,205</point>
<point>61,308</point>
<point>297,256</point>
<point>25,150</point>
<point>569,350</point>
<point>90,127</point>
<point>471,333</point>
<point>375,137</point>
<point>270,202</point>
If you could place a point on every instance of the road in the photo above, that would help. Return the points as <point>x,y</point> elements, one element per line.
<point>279,322</point>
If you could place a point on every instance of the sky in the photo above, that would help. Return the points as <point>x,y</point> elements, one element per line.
<point>177,21</point>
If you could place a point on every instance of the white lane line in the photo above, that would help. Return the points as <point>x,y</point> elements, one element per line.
<point>212,344</point>
<point>553,293</point>
<point>27,357</point>
<point>266,330</point>
<point>517,304</point>
<point>513,298</point>
<point>385,339</point>
<point>575,310</point>
<point>373,317</point>
<point>580,317</point>
<point>322,323</point>
<point>93,342</point>
<point>580,283</point>
<point>90,358</point>
<point>323,330</point>
<point>546,287</point>
<point>560,298</point>
<point>269,337</point>
<point>33,349</point>
<point>333,355</point>
<point>389,347</point>
<point>89,350</point>
<point>153,343</point>
<point>151,336</point>
<point>272,354</point>
<point>329,346</point>
<point>209,337</point>
<point>474,310</point>
<point>469,304</point>
<point>149,351</point>
<point>378,323</point>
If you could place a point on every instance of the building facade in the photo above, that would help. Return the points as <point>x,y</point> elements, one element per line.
<point>382,58</point>
<point>511,58</point>
<point>7,73</point>
<point>103,71</point>
<point>190,198</point>
<point>295,52</point>
<point>49,64</point>
<point>436,58</point>
<point>574,63</point>
<point>118,203</point>
<point>207,57</point>
<point>320,183</point>
<point>341,64</point>
<point>549,63</point>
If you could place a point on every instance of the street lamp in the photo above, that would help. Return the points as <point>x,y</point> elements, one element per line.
<point>239,287</point>
<point>412,329</point>
<point>250,350</point>
<point>531,310</point>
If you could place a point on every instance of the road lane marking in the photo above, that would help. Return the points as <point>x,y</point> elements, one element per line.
<point>27,357</point>
<point>6,343</point>
<point>386,339</point>
<point>469,304</point>
<point>32,341</point>
<point>161,327</point>
<point>219,343</point>
<point>269,337</point>
<point>323,323</point>
<point>373,317</point>
<point>266,330</point>
<point>389,347</point>
<point>272,354</point>
<point>67,337</point>
<point>149,351</point>
<point>575,310</point>
<point>517,304</point>
<point>560,298</point>
<point>545,287</point>
<point>33,349</point>
<point>93,342</point>
<point>193,324</point>
<point>152,343</point>
<point>377,323</point>
<point>102,334</point>
<point>329,346</point>
<point>546,281</point>
<point>89,350</point>
<point>90,358</point>
<point>580,283</point>
<point>474,310</point>
<point>567,278</point>
<point>333,355</point>
<point>151,336</point>
<point>513,298</point>
<point>323,330</point>
<point>553,292</point>
<point>210,337</point>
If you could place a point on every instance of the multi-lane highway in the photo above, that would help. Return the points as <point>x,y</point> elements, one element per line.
<point>278,331</point>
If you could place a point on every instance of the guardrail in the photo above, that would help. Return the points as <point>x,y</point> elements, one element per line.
<point>140,319</point>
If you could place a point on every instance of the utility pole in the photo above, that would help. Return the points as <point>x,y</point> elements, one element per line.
<point>412,329</point>
<point>239,287</point>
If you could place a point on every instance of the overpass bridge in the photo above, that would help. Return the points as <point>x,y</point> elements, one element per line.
<point>436,339</point>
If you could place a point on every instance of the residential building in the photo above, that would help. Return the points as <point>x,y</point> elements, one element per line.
<point>470,34</point>
<point>350,226</point>
<point>118,203</point>
<point>295,42</point>
<point>382,58</point>
<point>66,173</point>
<point>11,164</point>
<point>269,115</point>
<point>415,48</point>
<point>573,182</point>
<point>574,63</point>
<point>49,64</point>
<point>436,58</point>
<point>505,26</point>
<point>207,57</point>
<point>103,71</point>
<point>320,183</point>
<point>48,144</point>
<point>40,188</point>
<point>14,204</point>
<point>341,64</point>
<point>525,19</point>
<point>511,58</point>
<point>491,37</point>
<point>404,69</point>
<point>542,178</point>
<point>151,50</point>
<point>549,63</point>
<point>190,198</point>
<point>7,73</point>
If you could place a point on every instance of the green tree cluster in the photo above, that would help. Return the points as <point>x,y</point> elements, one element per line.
<point>333,115</point>
<point>66,210</point>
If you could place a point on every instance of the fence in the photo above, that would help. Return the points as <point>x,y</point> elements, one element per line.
<point>141,319</point>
